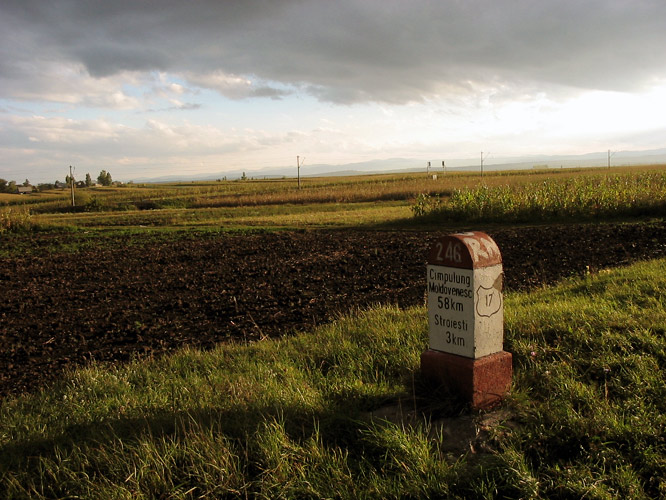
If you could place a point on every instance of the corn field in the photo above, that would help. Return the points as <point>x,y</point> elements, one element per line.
<point>579,197</point>
<point>14,220</point>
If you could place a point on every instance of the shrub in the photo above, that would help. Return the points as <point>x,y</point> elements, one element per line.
<point>81,198</point>
<point>94,204</point>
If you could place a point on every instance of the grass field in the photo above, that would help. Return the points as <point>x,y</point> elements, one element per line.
<point>386,200</point>
<point>292,418</point>
<point>319,215</point>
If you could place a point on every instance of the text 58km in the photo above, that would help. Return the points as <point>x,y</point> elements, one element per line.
<point>449,304</point>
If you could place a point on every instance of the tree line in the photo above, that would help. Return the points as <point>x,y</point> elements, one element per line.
<point>104,179</point>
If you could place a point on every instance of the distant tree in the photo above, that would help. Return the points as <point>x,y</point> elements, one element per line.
<point>26,183</point>
<point>11,187</point>
<point>243,177</point>
<point>3,186</point>
<point>68,180</point>
<point>104,178</point>
<point>88,180</point>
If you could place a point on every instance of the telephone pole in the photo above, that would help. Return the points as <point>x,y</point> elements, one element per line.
<point>609,157</point>
<point>482,161</point>
<point>71,184</point>
<point>299,164</point>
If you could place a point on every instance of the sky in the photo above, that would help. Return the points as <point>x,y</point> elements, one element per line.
<point>147,88</point>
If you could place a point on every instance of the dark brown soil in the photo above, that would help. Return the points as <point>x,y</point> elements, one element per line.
<point>116,302</point>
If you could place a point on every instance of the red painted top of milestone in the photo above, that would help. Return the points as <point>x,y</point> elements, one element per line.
<point>465,250</point>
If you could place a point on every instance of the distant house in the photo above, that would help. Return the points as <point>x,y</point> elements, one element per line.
<point>24,189</point>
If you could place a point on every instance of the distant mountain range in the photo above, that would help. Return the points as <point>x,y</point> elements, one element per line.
<point>397,165</point>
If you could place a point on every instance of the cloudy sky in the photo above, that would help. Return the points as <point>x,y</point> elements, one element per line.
<point>144,88</point>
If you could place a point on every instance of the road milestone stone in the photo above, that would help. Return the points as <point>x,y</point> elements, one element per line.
<point>466,319</point>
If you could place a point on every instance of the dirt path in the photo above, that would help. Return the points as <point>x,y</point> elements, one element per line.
<point>110,304</point>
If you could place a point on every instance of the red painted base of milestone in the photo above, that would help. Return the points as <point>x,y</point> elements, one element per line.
<point>483,381</point>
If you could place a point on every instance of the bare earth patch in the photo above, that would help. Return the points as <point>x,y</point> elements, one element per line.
<point>110,304</point>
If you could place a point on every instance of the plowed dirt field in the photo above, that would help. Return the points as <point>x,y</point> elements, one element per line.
<point>117,301</point>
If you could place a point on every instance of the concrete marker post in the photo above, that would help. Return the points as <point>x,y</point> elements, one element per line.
<point>466,319</point>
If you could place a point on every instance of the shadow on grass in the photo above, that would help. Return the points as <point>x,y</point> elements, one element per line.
<point>340,424</point>
<point>447,222</point>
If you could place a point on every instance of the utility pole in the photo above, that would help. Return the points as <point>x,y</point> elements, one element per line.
<point>71,184</point>
<point>299,164</point>
<point>444,165</point>
<point>486,156</point>
<point>428,169</point>
<point>609,157</point>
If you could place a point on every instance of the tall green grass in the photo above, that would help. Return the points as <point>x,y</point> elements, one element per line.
<point>292,418</point>
<point>590,386</point>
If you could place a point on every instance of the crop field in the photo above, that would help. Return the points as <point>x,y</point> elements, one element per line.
<point>250,339</point>
<point>386,200</point>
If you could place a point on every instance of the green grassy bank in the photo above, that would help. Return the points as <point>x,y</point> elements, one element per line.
<point>292,418</point>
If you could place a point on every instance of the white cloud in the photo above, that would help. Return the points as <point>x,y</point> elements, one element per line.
<point>188,82</point>
<point>67,83</point>
<point>114,146</point>
<point>234,86</point>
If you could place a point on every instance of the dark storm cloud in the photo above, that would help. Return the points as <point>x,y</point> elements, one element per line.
<point>342,51</point>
